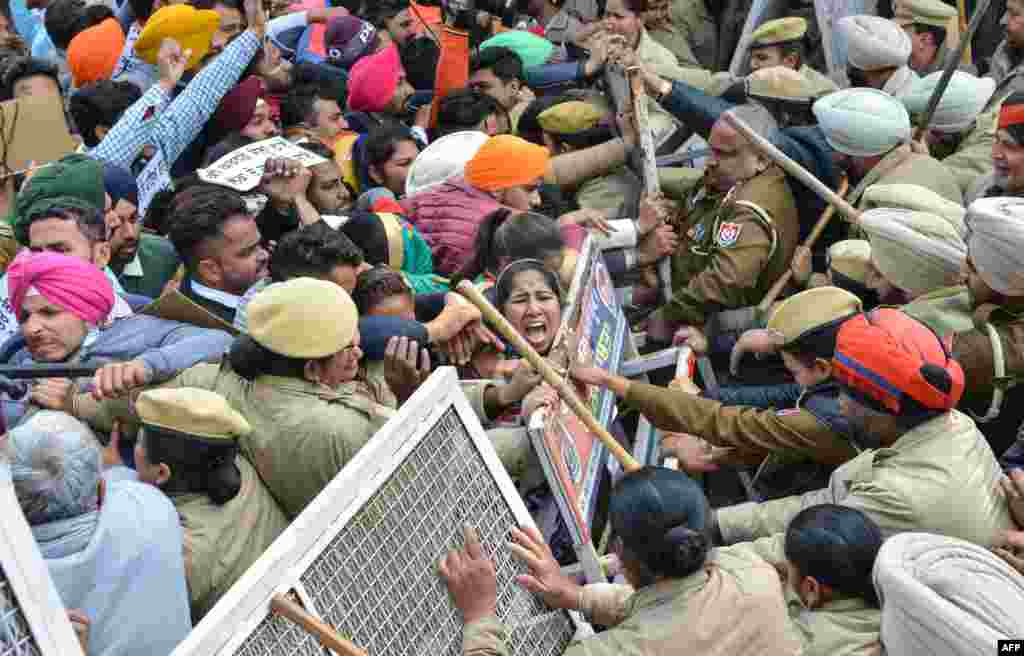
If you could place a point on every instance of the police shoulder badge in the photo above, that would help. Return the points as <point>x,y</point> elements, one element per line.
<point>728,234</point>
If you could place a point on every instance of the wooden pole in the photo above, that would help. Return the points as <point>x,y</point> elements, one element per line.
<point>951,65</point>
<point>568,394</point>
<point>819,227</point>
<point>793,168</point>
<point>281,605</point>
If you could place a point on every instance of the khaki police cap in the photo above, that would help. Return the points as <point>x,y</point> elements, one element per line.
<point>303,318</point>
<point>570,117</point>
<point>850,258</point>
<point>923,12</point>
<point>781,30</point>
<point>812,309</point>
<point>779,82</point>
<point>193,412</point>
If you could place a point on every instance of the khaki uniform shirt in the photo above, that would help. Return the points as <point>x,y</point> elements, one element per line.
<point>221,542</point>
<point>303,434</point>
<point>941,477</point>
<point>946,311</point>
<point>752,431</point>
<point>690,33</point>
<point>732,607</point>
<point>725,257</point>
<point>842,627</point>
<point>972,159</point>
<point>901,166</point>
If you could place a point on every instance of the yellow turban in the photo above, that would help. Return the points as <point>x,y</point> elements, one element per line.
<point>506,161</point>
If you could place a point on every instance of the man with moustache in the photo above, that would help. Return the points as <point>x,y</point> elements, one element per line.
<point>739,233</point>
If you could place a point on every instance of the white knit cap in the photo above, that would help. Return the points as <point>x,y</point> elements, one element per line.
<point>874,43</point>
<point>916,251</point>
<point>862,122</point>
<point>917,198</point>
<point>442,160</point>
<point>959,104</point>
<point>995,239</point>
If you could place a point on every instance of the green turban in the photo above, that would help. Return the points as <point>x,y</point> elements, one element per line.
<point>74,181</point>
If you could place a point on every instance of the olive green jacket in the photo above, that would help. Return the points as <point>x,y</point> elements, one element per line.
<point>222,542</point>
<point>940,477</point>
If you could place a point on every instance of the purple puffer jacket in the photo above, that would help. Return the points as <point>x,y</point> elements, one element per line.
<point>448,216</point>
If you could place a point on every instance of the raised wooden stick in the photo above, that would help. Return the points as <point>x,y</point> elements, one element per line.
<point>793,168</point>
<point>819,227</point>
<point>548,373</point>
<point>325,634</point>
<point>951,64</point>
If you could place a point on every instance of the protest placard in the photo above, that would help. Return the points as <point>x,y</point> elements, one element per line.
<point>154,178</point>
<point>242,168</point>
<point>573,458</point>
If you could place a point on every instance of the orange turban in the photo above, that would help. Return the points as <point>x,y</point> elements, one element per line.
<point>93,53</point>
<point>506,161</point>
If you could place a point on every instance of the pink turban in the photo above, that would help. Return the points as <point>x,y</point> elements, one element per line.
<point>70,282</point>
<point>373,80</point>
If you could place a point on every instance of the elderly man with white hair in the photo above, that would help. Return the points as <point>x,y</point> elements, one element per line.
<point>960,135</point>
<point>878,52</point>
<point>869,132</point>
<point>113,546</point>
<point>1007,176</point>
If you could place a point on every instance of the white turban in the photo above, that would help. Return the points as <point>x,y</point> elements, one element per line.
<point>874,43</point>
<point>959,104</point>
<point>916,251</point>
<point>917,198</point>
<point>995,239</point>
<point>862,122</point>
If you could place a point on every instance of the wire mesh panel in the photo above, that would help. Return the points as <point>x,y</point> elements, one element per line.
<point>372,573</point>
<point>15,635</point>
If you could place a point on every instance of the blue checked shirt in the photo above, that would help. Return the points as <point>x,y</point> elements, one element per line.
<point>172,125</point>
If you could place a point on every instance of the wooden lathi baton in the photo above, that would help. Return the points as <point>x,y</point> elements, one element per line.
<point>325,634</point>
<point>819,227</point>
<point>568,394</point>
<point>793,168</point>
<point>951,64</point>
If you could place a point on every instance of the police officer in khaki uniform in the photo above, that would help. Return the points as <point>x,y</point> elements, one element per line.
<point>805,327</point>
<point>295,378</point>
<point>961,134</point>
<point>737,233</point>
<point>924,467</point>
<point>925,22</point>
<point>869,130</point>
<point>992,353</point>
<point>188,447</point>
<point>680,592</point>
<point>780,42</point>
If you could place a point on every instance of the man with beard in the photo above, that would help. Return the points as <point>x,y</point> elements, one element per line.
<point>218,239</point>
<point>142,261</point>
<point>992,352</point>
<point>924,465</point>
<point>739,233</point>
<point>1007,177</point>
<point>1006,66</point>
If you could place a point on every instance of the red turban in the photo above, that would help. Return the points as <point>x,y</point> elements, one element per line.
<point>373,80</point>
<point>70,282</point>
<point>895,364</point>
<point>238,105</point>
